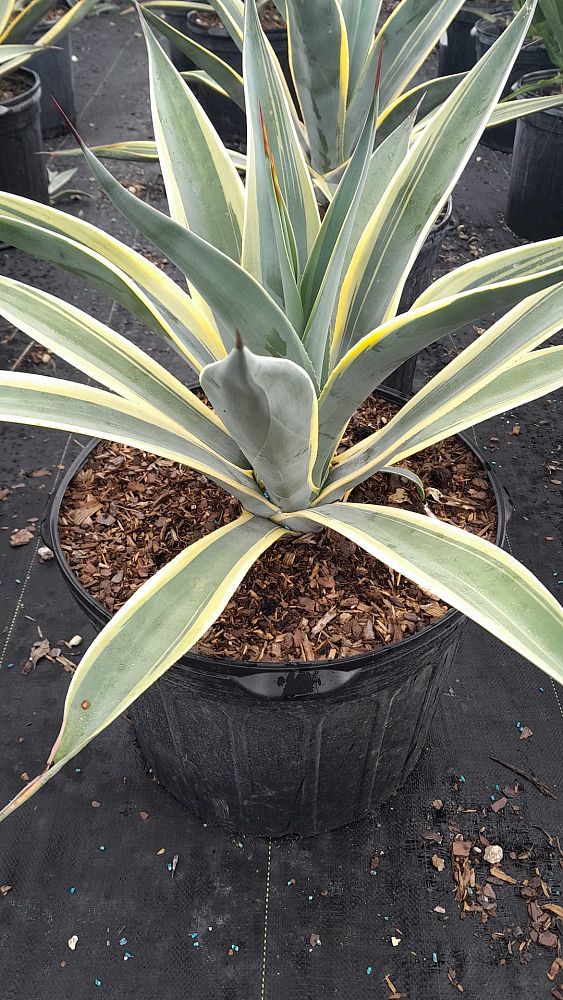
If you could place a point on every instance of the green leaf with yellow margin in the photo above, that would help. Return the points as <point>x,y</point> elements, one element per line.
<point>161,622</point>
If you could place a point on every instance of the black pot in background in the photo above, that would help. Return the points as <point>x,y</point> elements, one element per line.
<point>456,53</point>
<point>420,277</point>
<point>274,749</point>
<point>55,69</point>
<point>535,195</point>
<point>532,57</point>
<point>22,168</point>
<point>178,19</point>
<point>227,117</point>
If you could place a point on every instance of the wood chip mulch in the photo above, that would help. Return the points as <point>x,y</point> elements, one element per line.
<point>313,597</point>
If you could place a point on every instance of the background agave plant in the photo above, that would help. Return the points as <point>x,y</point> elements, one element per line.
<point>290,325</point>
<point>334,53</point>
<point>17,20</point>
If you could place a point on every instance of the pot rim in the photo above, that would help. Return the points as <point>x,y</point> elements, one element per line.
<point>541,74</point>
<point>219,31</point>
<point>50,529</point>
<point>21,101</point>
<point>487,25</point>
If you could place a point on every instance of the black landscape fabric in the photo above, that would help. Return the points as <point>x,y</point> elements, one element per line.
<point>109,888</point>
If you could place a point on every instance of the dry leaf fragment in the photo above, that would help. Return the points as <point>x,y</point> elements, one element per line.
<point>39,473</point>
<point>144,816</point>
<point>556,966</point>
<point>548,939</point>
<point>554,908</point>
<point>438,862</point>
<point>399,496</point>
<point>21,537</point>
<point>314,939</point>
<point>439,909</point>
<point>5,889</point>
<point>516,430</point>
<point>438,804</point>
<point>498,873</point>
<point>433,835</point>
<point>461,848</point>
<point>526,733</point>
<point>499,804</point>
<point>39,649</point>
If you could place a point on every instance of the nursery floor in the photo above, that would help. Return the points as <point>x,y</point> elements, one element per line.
<point>275,920</point>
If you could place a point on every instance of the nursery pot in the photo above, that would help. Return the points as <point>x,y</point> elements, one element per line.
<point>178,19</point>
<point>532,57</point>
<point>456,53</point>
<point>22,168</point>
<point>227,117</point>
<point>419,279</point>
<point>55,69</point>
<point>535,195</point>
<point>287,748</point>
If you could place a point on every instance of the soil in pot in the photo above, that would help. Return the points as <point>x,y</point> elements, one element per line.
<point>532,57</point>
<point>22,168</point>
<point>535,195</point>
<point>270,19</point>
<point>317,597</point>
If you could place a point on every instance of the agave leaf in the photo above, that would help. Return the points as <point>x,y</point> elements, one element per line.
<point>163,619</point>
<point>203,188</point>
<point>13,53</point>
<point>265,96</point>
<point>110,359</point>
<point>360,17</point>
<point>7,8</point>
<point>397,229</point>
<point>427,96</point>
<point>339,220</point>
<point>21,25</point>
<point>69,20</point>
<point>235,297</point>
<point>279,257</point>
<point>231,13</point>
<point>320,72</point>
<point>511,110</point>
<point>156,300</point>
<point>141,151</point>
<point>465,295</point>
<point>528,324</point>
<point>270,407</point>
<point>360,101</point>
<point>409,35</point>
<point>226,77</point>
<point>471,574</point>
<point>81,409</point>
<point>529,377</point>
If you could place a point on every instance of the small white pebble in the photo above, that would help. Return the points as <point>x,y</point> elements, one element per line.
<point>72,942</point>
<point>395,941</point>
<point>45,553</point>
<point>493,854</point>
<point>75,641</point>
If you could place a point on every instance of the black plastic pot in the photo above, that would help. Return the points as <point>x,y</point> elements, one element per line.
<point>22,168</point>
<point>227,117</point>
<point>532,57</point>
<point>456,53</point>
<point>419,278</point>
<point>55,69</point>
<point>178,19</point>
<point>535,195</point>
<point>274,749</point>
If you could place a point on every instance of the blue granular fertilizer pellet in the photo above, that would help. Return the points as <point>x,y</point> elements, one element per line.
<point>123,941</point>
<point>97,982</point>
<point>72,890</point>
<point>369,970</point>
<point>435,958</point>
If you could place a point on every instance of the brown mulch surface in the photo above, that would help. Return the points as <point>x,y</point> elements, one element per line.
<point>270,18</point>
<point>320,596</point>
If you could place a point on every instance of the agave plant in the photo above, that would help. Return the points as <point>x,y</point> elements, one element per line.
<point>291,324</point>
<point>334,53</point>
<point>17,20</point>
<point>548,25</point>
